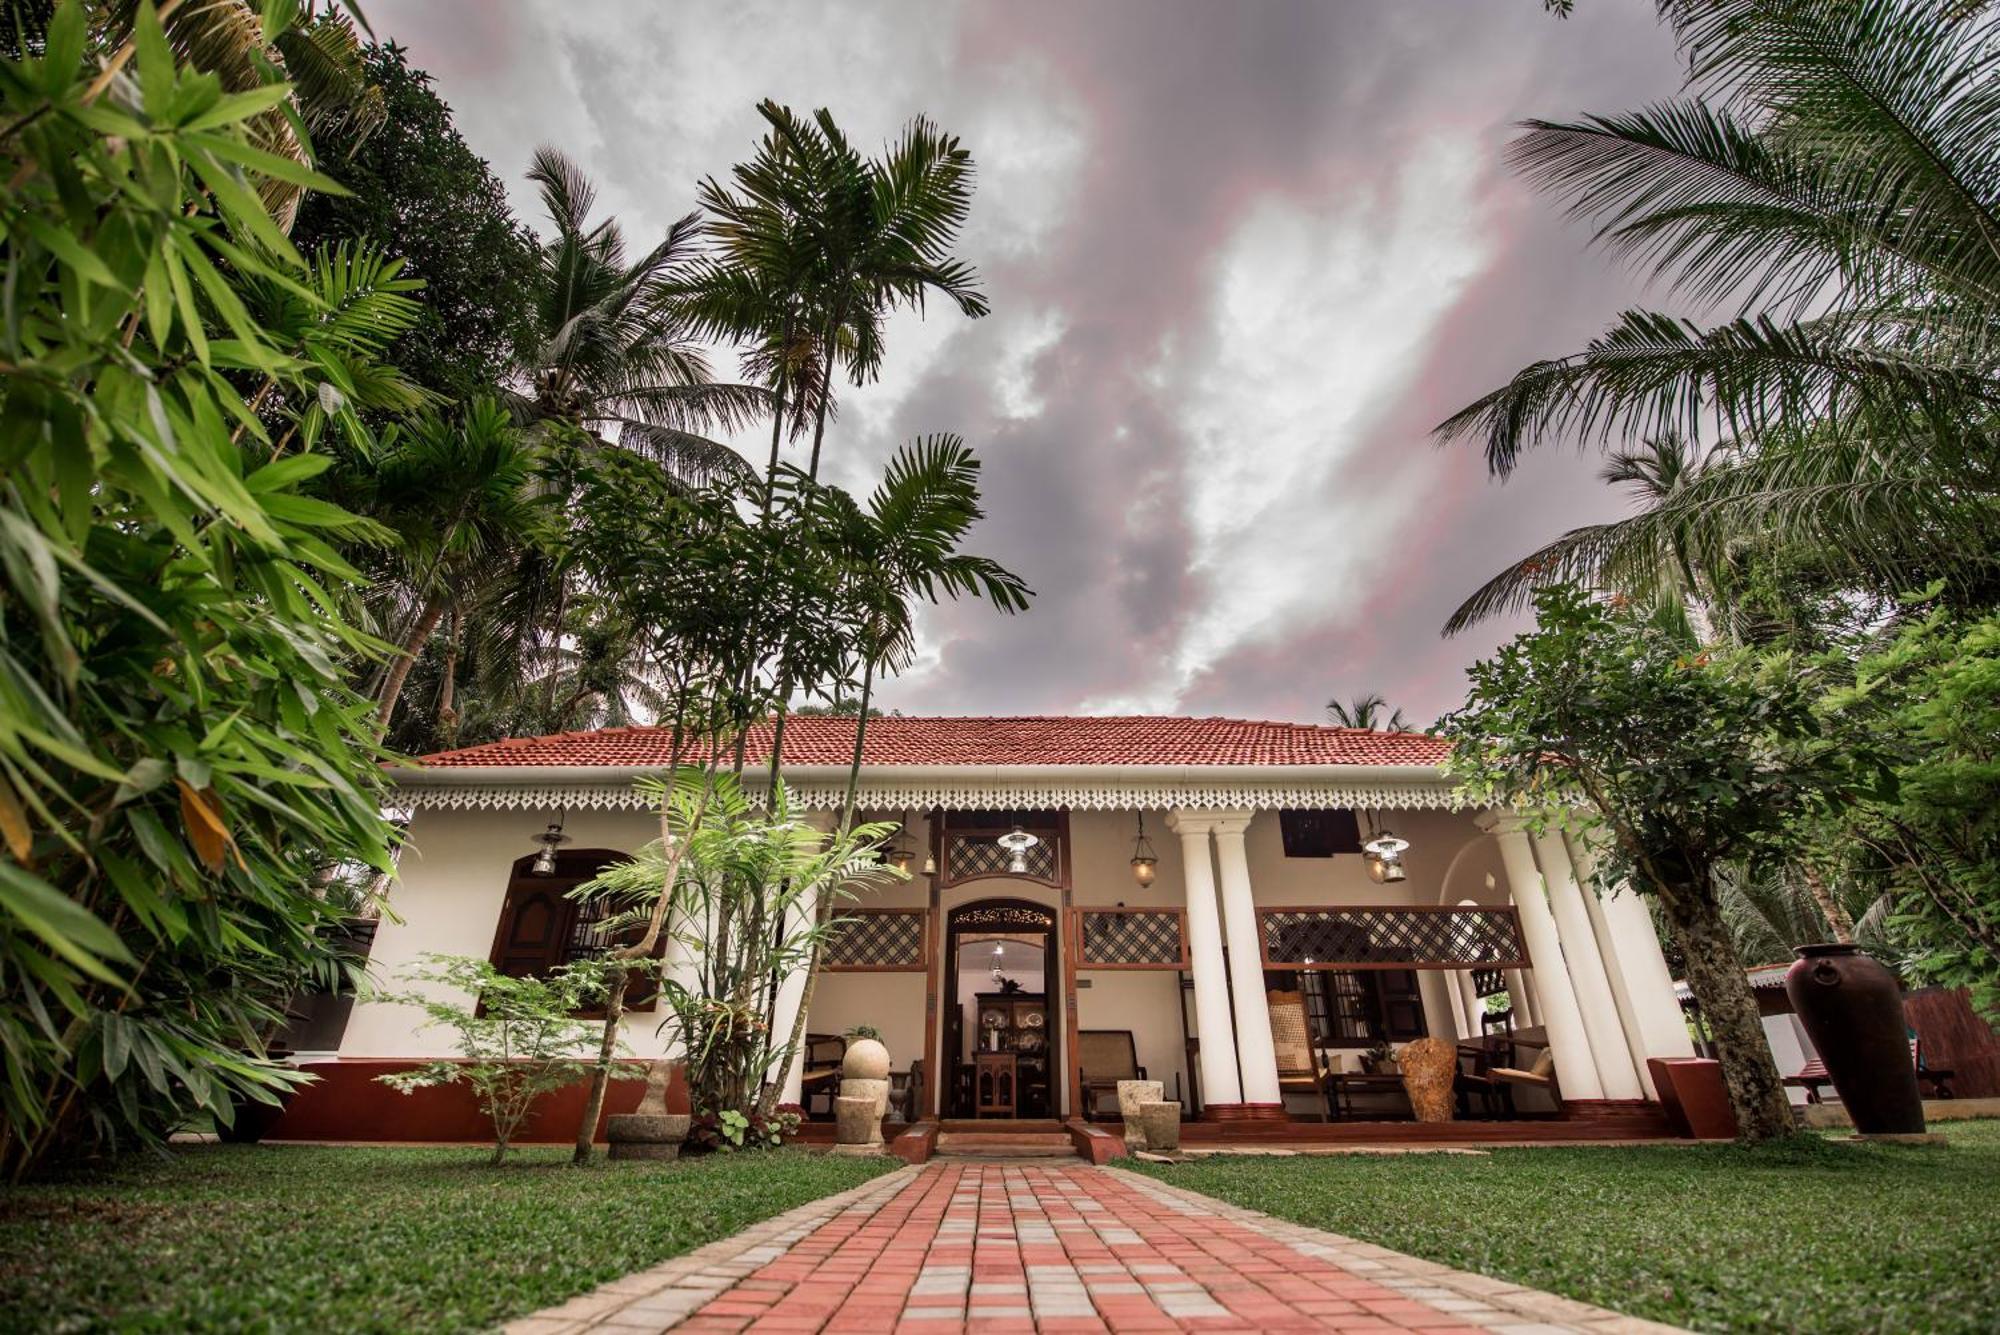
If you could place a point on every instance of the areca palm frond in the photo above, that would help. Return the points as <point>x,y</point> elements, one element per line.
<point>1369,712</point>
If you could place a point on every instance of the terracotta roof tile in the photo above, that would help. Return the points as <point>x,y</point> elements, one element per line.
<point>820,740</point>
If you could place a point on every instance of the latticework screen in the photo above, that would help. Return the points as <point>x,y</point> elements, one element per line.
<point>1385,938</point>
<point>1127,940</point>
<point>882,940</point>
<point>968,856</point>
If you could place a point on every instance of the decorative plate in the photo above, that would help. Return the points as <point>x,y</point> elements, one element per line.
<point>994,1020</point>
<point>1033,1020</point>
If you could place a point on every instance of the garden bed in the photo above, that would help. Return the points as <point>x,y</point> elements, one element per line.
<point>1804,1235</point>
<point>341,1239</point>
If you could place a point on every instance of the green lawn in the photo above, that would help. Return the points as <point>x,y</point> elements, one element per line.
<point>1808,1236</point>
<point>347,1239</point>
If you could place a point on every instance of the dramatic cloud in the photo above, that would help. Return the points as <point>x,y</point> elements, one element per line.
<point>1242,258</point>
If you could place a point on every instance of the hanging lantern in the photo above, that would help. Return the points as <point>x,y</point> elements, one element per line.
<point>1385,856</point>
<point>900,855</point>
<point>550,839</point>
<point>1145,862</point>
<point>1017,842</point>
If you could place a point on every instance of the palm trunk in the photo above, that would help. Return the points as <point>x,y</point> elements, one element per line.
<point>413,644</point>
<point>823,908</point>
<point>825,390</point>
<point>1837,916</point>
<point>448,691</point>
<point>1756,1090</point>
<point>600,1076</point>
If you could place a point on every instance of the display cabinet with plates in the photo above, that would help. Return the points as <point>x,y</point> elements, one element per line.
<point>1018,1023</point>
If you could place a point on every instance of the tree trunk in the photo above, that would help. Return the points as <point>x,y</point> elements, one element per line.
<point>1756,1090</point>
<point>1836,914</point>
<point>860,735</point>
<point>600,1077</point>
<point>448,691</point>
<point>399,672</point>
<point>825,388</point>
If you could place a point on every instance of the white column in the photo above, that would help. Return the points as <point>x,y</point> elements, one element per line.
<point>1460,1017</point>
<point>1576,1072</point>
<point>1219,1083</point>
<point>792,992</point>
<point>1517,997</point>
<point>1635,944</point>
<point>1256,1054</point>
<point>1475,1005</point>
<point>1440,1000</point>
<point>1615,1068</point>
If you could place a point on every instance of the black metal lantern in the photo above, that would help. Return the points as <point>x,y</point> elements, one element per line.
<point>550,839</point>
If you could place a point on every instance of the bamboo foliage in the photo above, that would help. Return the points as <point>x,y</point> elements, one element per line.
<point>178,753</point>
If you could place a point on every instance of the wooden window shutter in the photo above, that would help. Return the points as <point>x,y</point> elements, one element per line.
<point>534,929</point>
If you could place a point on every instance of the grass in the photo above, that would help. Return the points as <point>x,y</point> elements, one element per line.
<point>231,1238</point>
<point>1808,1235</point>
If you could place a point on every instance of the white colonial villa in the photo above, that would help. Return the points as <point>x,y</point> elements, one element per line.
<point>1253,913</point>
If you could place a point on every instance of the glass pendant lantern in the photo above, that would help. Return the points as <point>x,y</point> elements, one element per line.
<point>1145,862</point>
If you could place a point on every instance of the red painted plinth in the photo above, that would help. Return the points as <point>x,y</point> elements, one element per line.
<point>916,1144</point>
<point>1692,1092</point>
<point>347,1102</point>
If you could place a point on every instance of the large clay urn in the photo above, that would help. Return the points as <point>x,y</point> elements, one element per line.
<point>1852,1010</point>
<point>1430,1069</point>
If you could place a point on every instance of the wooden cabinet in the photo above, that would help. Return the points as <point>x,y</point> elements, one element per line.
<point>1016,1024</point>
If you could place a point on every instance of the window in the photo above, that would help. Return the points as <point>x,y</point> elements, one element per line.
<point>541,928</point>
<point>1319,834</point>
<point>1359,1007</point>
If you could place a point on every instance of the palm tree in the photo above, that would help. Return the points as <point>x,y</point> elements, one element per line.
<point>614,354</point>
<point>1366,712</point>
<point>1839,176</point>
<point>818,244</point>
<point>460,496</point>
<point>1642,556</point>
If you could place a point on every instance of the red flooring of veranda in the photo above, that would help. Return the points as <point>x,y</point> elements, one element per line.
<point>1027,1247</point>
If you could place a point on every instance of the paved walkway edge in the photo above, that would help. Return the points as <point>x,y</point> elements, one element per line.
<point>1410,1275</point>
<point>660,1295</point>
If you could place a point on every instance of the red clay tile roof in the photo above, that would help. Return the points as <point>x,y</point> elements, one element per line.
<point>818,740</point>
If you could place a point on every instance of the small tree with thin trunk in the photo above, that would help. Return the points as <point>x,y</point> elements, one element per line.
<point>518,1038</point>
<point>1600,719</point>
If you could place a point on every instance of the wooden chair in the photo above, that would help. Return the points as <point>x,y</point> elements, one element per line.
<point>1299,1068</point>
<point>1539,1075</point>
<point>824,1054</point>
<point>1103,1058</point>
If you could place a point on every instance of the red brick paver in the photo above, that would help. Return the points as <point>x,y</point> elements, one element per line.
<point>1053,1247</point>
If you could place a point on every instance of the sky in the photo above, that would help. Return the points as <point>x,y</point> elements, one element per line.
<point>1242,258</point>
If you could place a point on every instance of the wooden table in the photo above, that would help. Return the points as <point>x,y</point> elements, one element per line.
<point>1343,1088</point>
<point>995,1084</point>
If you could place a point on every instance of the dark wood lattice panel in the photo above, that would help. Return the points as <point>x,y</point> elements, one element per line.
<point>969,856</point>
<point>1132,940</point>
<point>1391,938</point>
<point>1488,982</point>
<point>883,941</point>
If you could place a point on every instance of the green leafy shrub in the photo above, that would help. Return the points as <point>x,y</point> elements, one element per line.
<point>180,759</point>
<point>517,1038</point>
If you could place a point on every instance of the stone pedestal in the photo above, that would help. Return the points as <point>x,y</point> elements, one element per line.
<point>1161,1125</point>
<point>858,1125</point>
<point>1132,1093</point>
<point>646,1135</point>
<point>878,1090</point>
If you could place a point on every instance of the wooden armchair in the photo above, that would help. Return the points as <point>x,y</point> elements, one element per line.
<point>1103,1058</point>
<point>821,1081</point>
<point>1541,1074</point>
<point>1299,1068</point>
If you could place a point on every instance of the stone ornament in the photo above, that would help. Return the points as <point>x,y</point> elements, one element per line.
<point>858,1125</point>
<point>646,1135</point>
<point>1132,1093</point>
<point>866,1059</point>
<point>1161,1126</point>
<point>1430,1068</point>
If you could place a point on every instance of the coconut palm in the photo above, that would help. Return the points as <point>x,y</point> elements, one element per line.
<point>1370,712</point>
<point>461,495</point>
<point>1641,556</point>
<point>1838,176</point>
<point>614,356</point>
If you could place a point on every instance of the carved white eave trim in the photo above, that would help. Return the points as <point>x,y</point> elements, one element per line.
<point>961,788</point>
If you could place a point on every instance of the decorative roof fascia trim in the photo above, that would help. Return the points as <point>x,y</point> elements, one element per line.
<point>1104,795</point>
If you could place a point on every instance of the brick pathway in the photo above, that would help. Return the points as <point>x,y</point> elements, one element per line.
<point>1054,1247</point>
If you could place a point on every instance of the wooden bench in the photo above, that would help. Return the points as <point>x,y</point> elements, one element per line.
<point>1103,1058</point>
<point>1812,1077</point>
